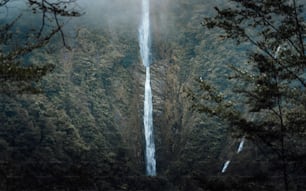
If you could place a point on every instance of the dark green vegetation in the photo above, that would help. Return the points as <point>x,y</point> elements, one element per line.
<point>18,40</point>
<point>271,111</point>
<point>84,130</point>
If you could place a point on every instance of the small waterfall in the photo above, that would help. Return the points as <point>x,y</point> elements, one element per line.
<point>277,53</point>
<point>239,149</point>
<point>144,44</point>
<point>241,145</point>
<point>225,166</point>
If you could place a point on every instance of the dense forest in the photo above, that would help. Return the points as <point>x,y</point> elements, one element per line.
<point>223,72</point>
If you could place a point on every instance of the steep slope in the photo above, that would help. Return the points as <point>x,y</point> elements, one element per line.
<point>90,114</point>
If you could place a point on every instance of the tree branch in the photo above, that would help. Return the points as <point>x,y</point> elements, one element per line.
<point>43,21</point>
<point>29,47</point>
<point>61,31</point>
<point>3,2</point>
<point>265,50</point>
<point>298,28</point>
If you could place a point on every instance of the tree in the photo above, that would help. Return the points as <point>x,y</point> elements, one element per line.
<point>19,77</point>
<point>274,90</point>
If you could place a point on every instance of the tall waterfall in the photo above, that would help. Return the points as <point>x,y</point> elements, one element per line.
<point>144,44</point>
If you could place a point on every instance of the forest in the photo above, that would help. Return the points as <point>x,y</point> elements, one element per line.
<point>228,81</point>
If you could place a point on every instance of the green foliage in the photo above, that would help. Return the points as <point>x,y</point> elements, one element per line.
<point>16,75</point>
<point>68,136</point>
<point>276,69</point>
<point>85,132</point>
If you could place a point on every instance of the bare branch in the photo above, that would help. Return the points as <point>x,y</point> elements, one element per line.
<point>29,47</point>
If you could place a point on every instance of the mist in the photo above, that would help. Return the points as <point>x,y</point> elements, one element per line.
<point>114,17</point>
<point>123,16</point>
<point>109,14</point>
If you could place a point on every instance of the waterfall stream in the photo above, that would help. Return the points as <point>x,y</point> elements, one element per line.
<point>144,44</point>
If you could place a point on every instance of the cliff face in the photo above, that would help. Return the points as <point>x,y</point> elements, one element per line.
<point>85,130</point>
<point>92,106</point>
<point>100,85</point>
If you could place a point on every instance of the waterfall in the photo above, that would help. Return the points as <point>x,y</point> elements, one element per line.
<point>277,53</point>
<point>225,166</point>
<point>144,44</point>
<point>239,149</point>
<point>241,145</point>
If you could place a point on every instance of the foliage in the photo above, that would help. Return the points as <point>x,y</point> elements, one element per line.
<point>16,75</point>
<point>273,111</point>
<point>71,132</point>
<point>85,131</point>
